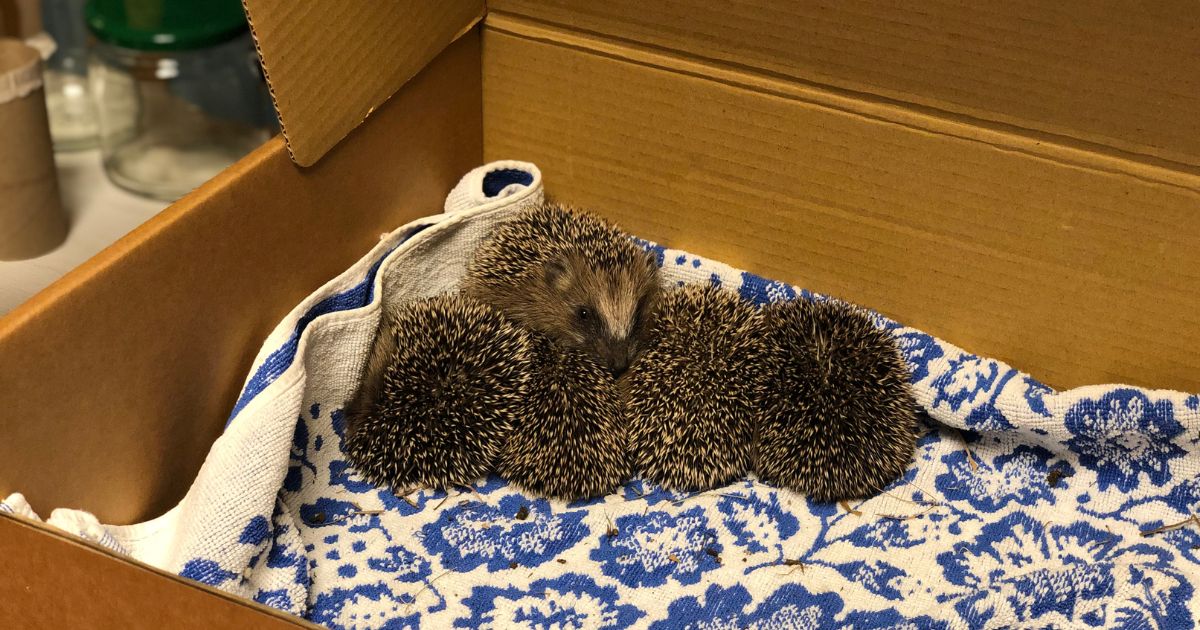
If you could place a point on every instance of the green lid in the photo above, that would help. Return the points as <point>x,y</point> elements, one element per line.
<point>165,24</point>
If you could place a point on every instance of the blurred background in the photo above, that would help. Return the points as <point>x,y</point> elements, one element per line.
<point>110,110</point>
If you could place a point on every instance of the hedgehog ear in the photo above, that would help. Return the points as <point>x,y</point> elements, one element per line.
<point>555,272</point>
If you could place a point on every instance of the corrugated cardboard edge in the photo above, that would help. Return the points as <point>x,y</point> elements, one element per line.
<point>23,600</point>
<point>329,65</point>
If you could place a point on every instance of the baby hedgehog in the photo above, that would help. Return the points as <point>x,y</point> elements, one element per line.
<point>570,442</point>
<point>442,387</point>
<point>693,396</point>
<point>838,420</point>
<point>572,277</point>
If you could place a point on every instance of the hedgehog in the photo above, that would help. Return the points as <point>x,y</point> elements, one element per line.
<point>443,384</point>
<point>839,419</point>
<point>693,397</point>
<point>571,441</point>
<point>570,276</point>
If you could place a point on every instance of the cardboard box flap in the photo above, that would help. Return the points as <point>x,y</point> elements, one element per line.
<point>1118,77</point>
<point>330,63</point>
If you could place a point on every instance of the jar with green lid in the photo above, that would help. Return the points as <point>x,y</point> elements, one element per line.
<point>178,89</point>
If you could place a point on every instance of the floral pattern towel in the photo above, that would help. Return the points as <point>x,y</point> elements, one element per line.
<point>1022,507</point>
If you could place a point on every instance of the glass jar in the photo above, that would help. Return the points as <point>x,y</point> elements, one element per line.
<point>68,96</point>
<point>178,89</point>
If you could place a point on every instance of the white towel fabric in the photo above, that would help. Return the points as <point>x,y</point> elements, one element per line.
<point>1023,506</point>
<point>16,504</point>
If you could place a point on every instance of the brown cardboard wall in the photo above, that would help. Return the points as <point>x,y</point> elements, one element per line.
<point>117,378</point>
<point>54,581</point>
<point>1120,73</point>
<point>1076,267</point>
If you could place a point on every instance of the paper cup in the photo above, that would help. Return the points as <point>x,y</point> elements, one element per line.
<point>32,221</point>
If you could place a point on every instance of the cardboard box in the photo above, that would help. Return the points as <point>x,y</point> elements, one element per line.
<point>1022,180</point>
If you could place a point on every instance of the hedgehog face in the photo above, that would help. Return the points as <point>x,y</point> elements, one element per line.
<point>572,277</point>
<point>602,312</point>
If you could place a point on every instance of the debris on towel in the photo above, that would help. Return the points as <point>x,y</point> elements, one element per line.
<point>1193,519</point>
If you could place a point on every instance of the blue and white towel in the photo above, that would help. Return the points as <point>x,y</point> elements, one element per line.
<point>1024,506</point>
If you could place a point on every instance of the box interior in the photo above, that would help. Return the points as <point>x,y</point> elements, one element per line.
<point>1073,262</point>
<point>1021,181</point>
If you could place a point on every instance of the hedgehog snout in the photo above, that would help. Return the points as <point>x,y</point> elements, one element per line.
<point>617,356</point>
<point>618,365</point>
<point>618,362</point>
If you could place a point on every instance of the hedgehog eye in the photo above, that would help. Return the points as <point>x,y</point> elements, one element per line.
<point>583,313</point>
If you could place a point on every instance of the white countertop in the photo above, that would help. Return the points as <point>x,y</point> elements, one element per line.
<point>100,213</point>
